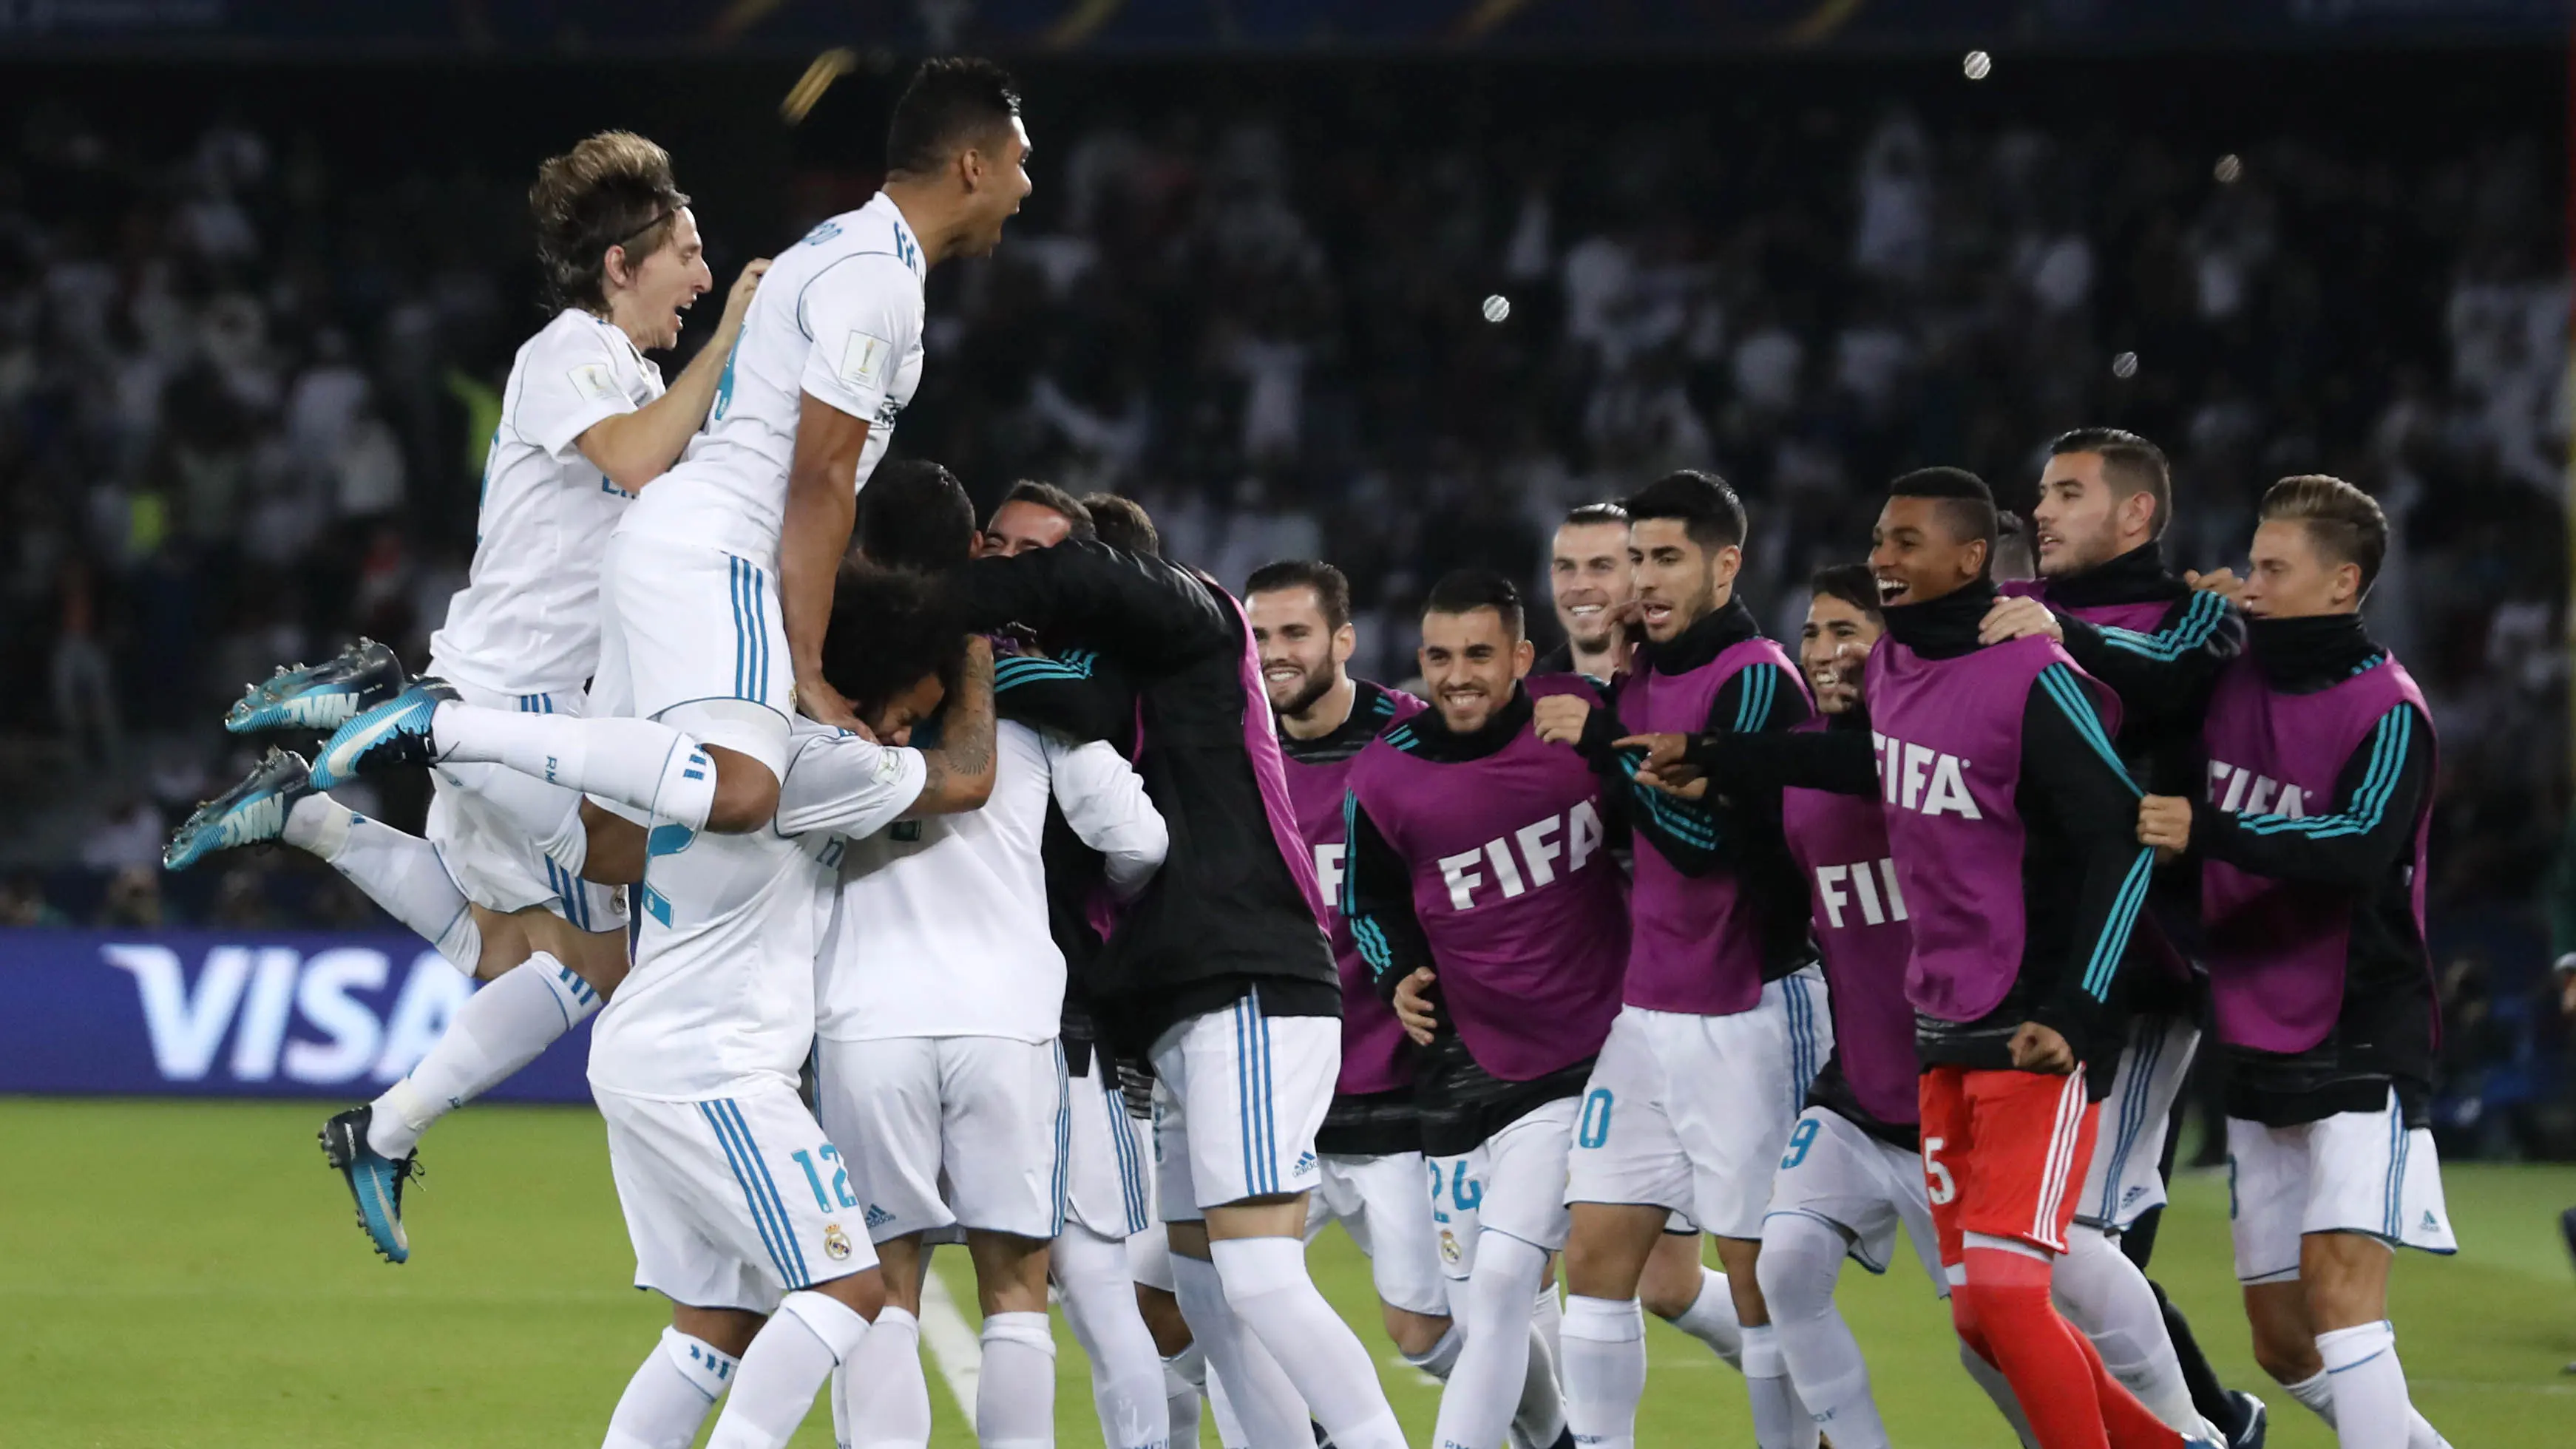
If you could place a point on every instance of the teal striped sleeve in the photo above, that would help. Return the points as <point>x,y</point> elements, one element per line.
<point>2367,831</point>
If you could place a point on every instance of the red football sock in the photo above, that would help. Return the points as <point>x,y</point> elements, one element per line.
<point>2041,1357</point>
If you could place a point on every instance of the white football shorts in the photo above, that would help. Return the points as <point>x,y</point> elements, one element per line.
<point>692,636</point>
<point>485,821</point>
<point>2129,1146</point>
<point>1238,1097</point>
<point>1839,1175</point>
<point>2354,1172</point>
<point>949,1131</point>
<point>1384,1203</point>
<point>1512,1183</point>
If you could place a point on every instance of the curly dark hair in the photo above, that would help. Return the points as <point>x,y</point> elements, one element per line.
<point>891,628</point>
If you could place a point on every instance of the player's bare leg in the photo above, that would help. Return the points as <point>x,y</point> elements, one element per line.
<point>1015,1400</point>
<point>2325,1337</point>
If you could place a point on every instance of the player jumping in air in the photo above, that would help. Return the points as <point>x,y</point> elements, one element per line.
<point>585,424</point>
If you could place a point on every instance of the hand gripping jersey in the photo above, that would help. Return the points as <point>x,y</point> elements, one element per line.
<point>1376,1054</point>
<point>838,317</point>
<point>1948,733</point>
<point>1701,944</point>
<point>2278,949</point>
<point>527,621</point>
<point>1518,898</point>
<point>722,990</point>
<point>1864,932</point>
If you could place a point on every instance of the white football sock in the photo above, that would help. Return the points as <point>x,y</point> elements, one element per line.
<point>1230,1432</point>
<point>666,1401</point>
<point>2107,1298</point>
<point>1183,1375</point>
<point>1547,1314</point>
<point>2371,1409</point>
<point>2000,1390</point>
<point>1015,1398</point>
<point>1099,1300</point>
<point>1485,1388</point>
<point>1780,1421</point>
<point>1257,1390</point>
<point>499,1029</point>
<point>1802,1257</point>
<point>1266,1283</point>
<point>638,762</point>
<point>1539,1419</point>
<point>2316,1392</point>
<point>1605,1370</point>
<point>881,1399</point>
<point>1711,1318</point>
<point>397,871</point>
<point>788,1362</point>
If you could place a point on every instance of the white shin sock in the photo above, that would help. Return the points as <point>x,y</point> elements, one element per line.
<point>881,1394</point>
<point>1780,1420</point>
<point>2371,1407</point>
<point>1605,1370</point>
<point>1100,1306</point>
<point>1711,1318</point>
<point>789,1361</point>
<point>499,1029</point>
<point>398,871</point>
<point>2107,1298</point>
<point>1257,1391</point>
<point>1802,1257</point>
<point>1488,1384</point>
<point>1265,1282</point>
<point>668,1399</point>
<point>641,763</point>
<point>1015,1398</point>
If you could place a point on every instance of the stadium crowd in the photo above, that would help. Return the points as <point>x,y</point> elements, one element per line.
<point>244,392</point>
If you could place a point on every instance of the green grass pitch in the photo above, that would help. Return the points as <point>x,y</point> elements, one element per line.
<point>180,1274</point>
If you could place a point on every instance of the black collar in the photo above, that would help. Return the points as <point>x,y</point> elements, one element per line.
<point>2136,577</point>
<point>2302,656</point>
<point>1425,736</point>
<point>1942,628</point>
<point>1721,629</point>
<point>1371,708</point>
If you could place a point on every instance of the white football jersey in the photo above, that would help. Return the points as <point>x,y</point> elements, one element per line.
<point>838,316</point>
<point>527,620</point>
<point>722,990</point>
<point>940,928</point>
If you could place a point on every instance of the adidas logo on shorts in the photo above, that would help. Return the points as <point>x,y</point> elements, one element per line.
<point>878,1217</point>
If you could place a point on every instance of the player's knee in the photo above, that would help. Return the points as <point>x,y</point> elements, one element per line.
<point>863,1293</point>
<point>746,795</point>
<point>2288,1360</point>
<point>1162,1314</point>
<point>1413,1334</point>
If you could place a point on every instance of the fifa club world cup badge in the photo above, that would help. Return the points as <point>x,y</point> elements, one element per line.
<point>836,1242</point>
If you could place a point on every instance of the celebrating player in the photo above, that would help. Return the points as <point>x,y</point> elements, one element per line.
<point>1486,904</point>
<point>2105,498</point>
<point>1371,1142</point>
<point>2022,885</point>
<point>1697,1087</point>
<point>1591,585</point>
<point>2312,826</point>
<point>733,1195</point>
<point>727,561</point>
<point>1220,972</point>
<point>584,423</point>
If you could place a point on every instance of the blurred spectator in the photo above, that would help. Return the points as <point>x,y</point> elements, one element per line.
<point>133,898</point>
<point>23,903</point>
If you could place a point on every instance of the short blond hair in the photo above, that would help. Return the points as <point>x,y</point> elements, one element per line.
<point>612,190</point>
<point>2345,522</point>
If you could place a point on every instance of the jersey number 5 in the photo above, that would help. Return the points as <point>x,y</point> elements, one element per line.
<point>1942,1188</point>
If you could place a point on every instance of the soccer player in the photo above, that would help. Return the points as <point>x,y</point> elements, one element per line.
<point>1371,1142</point>
<point>937,1059</point>
<point>1220,972</point>
<point>733,1195</point>
<point>1035,515</point>
<point>1592,586</point>
<point>1695,1092</point>
<point>2311,823</point>
<point>2104,589</point>
<point>1485,902</point>
<point>2022,885</point>
<point>726,562</point>
<point>1852,1173</point>
<point>584,422</point>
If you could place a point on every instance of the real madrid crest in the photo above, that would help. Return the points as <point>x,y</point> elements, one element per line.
<point>836,1242</point>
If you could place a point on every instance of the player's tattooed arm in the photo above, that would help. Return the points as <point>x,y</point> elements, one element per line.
<point>957,772</point>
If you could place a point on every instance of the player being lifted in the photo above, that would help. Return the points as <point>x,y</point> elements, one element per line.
<point>1708,1064</point>
<point>1482,892</point>
<point>2312,822</point>
<point>726,563</point>
<point>585,423</point>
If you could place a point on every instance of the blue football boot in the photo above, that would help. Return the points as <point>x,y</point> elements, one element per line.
<point>375,1180</point>
<point>392,734</point>
<point>320,696</point>
<point>248,813</point>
